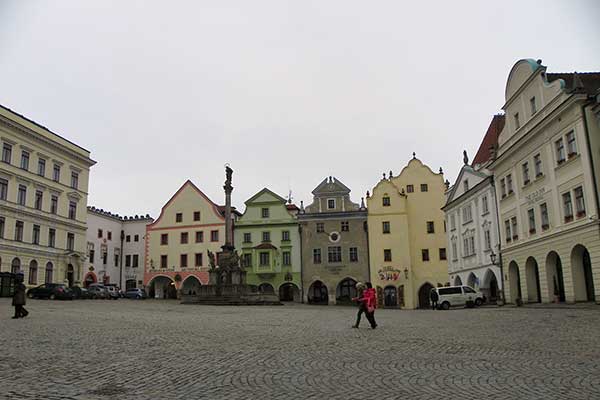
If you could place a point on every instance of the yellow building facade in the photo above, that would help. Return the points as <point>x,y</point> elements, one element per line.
<point>43,202</point>
<point>407,241</point>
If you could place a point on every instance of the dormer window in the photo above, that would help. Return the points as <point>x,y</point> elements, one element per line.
<point>533,105</point>
<point>466,185</point>
<point>386,201</point>
<point>517,122</point>
<point>264,212</point>
<point>330,204</point>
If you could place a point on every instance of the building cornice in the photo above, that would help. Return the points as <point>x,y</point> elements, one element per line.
<point>86,160</point>
<point>471,192</point>
<point>550,236</point>
<point>50,219</point>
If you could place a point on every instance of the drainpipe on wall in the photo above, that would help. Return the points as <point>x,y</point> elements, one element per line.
<point>121,261</point>
<point>497,206</point>
<point>301,265</point>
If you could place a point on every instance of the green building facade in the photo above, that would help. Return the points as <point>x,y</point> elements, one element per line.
<point>268,242</point>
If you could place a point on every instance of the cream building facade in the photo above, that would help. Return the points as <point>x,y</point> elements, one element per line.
<point>407,240</point>
<point>177,243</point>
<point>472,221</point>
<point>43,201</point>
<point>546,178</point>
<point>115,248</point>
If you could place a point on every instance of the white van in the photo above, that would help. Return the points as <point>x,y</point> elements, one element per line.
<point>452,296</point>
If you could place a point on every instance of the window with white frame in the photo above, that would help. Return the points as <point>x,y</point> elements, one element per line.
<point>467,217</point>
<point>544,216</point>
<point>567,206</point>
<point>579,201</point>
<point>515,232</point>
<point>507,230</point>
<point>503,187</point>
<point>484,205</point>
<point>525,168</point>
<point>452,222</point>
<point>537,161</point>
<point>560,150</point>
<point>531,218</point>
<point>571,145</point>
<point>509,185</point>
<point>454,252</point>
<point>487,238</point>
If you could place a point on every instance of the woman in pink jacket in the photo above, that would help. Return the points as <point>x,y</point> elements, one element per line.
<point>367,303</point>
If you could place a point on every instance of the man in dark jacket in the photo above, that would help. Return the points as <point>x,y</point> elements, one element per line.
<point>19,298</point>
<point>434,299</point>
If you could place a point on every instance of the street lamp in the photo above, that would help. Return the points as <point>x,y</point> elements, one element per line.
<point>493,257</point>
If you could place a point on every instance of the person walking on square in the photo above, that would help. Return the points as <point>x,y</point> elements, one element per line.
<point>434,297</point>
<point>370,297</point>
<point>19,298</point>
<point>362,307</point>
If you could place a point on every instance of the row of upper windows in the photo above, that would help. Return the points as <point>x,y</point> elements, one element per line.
<point>179,216</point>
<point>7,150</point>
<point>38,199</point>
<point>386,202</point>
<point>136,238</point>
<point>131,260</point>
<point>264,259</point>
<point>334,255</point>
<point>561,155</point>
<point>266,236</point>
<point>569,213</point>
<point>184,237</point>
<point>533,108</point>
<point>467,213</point>
<point>183,260</point>
<point>344,226</point>
<point>36,234</point>
<point>387,254</point>
<point>386,227</point>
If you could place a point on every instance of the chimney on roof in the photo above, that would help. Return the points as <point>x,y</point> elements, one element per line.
<point>577,83</point>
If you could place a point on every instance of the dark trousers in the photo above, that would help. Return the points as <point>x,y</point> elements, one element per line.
<point>20,311</point>
<point>361,311</point>
<point>434,304</point>
<point>371,318</point>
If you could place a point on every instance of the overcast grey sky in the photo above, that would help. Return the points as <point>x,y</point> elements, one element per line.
<point>286,92</point>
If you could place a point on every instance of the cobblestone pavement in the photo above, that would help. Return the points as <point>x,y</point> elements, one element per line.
<point>163,350</point>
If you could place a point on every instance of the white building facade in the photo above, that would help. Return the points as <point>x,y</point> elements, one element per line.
<point>43,200</point>
<point>546,176</point>
<point>472,224</point>
<point>115,249</point>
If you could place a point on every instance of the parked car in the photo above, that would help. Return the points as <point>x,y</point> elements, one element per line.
<point>80,293</point>
<point>452,296</point>
<point>135,294</point>
<point>113,292</point>
<point>117,288</point>
<point>97,291</point>
<point>51,291</point>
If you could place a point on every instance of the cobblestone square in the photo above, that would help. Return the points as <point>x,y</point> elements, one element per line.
<point>162,349</point>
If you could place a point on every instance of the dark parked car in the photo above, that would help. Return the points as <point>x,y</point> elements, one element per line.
<point>51,291</point>
<point>135,294</point>
<point>81,293</point>
<point>97,291</point>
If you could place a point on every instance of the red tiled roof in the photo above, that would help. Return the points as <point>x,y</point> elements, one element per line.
<point>490,139</point>
<point>292,207</point>
<point>587,82</point>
